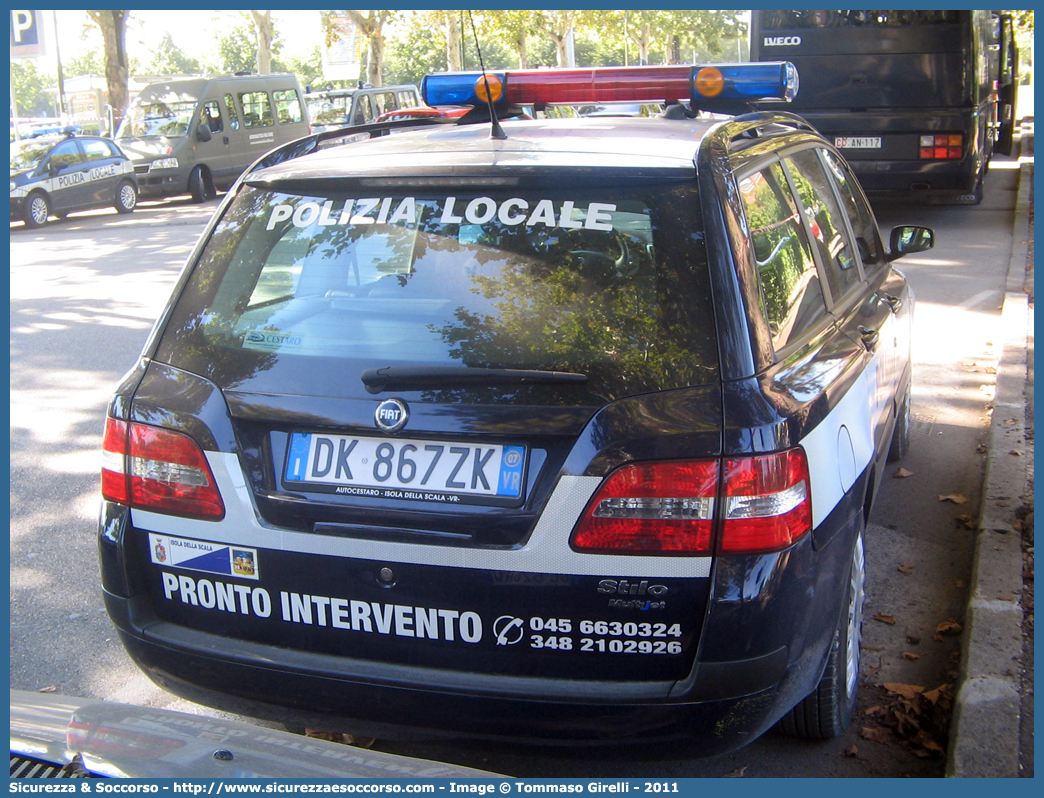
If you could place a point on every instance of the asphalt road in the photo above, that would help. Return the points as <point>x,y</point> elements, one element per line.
<point>84,294</point>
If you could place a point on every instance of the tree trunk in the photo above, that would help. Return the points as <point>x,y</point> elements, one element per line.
<point>113,26</point>
<point>453,34</point>
<point>521,48</point>
<point>375,63</point>
<point>265,34</point>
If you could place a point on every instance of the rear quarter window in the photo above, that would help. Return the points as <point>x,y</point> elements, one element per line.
<point>613,285</point>
<point>791,293</point>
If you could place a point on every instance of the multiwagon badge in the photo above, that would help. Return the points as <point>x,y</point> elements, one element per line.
<point>201,555</point>
<point>391,415</point>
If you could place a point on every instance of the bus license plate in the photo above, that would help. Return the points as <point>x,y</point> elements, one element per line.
<point>341,463</point>
<point>857,142</point>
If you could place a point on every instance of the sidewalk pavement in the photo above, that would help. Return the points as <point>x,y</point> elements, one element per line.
<point>986,735</point>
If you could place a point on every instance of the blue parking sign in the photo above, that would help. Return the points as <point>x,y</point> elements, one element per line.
<point>27,39</point>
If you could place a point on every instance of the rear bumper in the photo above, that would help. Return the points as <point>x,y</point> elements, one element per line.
<point>292,688</point>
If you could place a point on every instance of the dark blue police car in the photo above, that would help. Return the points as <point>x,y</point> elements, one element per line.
<point>57,174</point>
<point>548,430</point>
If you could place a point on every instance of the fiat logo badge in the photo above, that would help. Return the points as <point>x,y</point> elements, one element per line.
<point>391,415</point>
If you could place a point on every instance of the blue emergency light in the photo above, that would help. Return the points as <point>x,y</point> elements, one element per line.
<point>708,87</point>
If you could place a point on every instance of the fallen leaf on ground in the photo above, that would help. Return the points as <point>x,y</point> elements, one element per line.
<point>956,498</point>
<point>1006,598</point>
<point>736,774</point>
<point>948,627</point>
<point>1009,422</point>
<point>909,691</point>
<point>882,736</point>
<point>852,750</point>
<point>939,692</point>
<point>902,473</point>
<point>48,689</point>
<point>966,521</point>
<point>907,569</point>
<point>1015,452</point>
<point>910,656</point>
<point>884,617</point>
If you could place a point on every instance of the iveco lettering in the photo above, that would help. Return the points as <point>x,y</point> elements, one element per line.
<point>521,425</point>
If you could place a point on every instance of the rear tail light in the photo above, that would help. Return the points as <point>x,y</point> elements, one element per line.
<point>767,503</point>
<point>157,469</point>
<point>945,146</point>
<point>652,508</point>
<point>763,504</point>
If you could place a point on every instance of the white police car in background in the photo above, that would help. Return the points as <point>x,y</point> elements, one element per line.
<point>56,175</point>
<point>554,430</point>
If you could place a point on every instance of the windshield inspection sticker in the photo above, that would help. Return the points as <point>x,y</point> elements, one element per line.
<point>388,210</point>
<point>199,555</point>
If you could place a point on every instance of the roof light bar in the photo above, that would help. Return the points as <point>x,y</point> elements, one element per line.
<point>709,87</point>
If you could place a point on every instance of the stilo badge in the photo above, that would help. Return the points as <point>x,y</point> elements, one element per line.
<point>391,415</point>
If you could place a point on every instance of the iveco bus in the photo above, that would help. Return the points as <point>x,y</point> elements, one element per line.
<point>917,100</point>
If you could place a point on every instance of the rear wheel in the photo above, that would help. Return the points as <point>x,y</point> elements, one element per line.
<point>901,432</point>
<point>826,711</point>
<point>126,197</point>
<point>36,210</point>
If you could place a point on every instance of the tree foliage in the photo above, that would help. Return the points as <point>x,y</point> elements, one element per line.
<point>168,59</point>
<point>32,89</point>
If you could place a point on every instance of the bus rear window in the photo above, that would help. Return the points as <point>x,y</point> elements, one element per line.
<point>788,20</point>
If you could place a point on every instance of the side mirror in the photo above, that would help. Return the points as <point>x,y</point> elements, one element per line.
<point>203,132</point>
<point>910,238</point>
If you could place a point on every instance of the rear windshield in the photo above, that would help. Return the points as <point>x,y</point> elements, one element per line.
<point>784,20</point>
<point>611,284</point>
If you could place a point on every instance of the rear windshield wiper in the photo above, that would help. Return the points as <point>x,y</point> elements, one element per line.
<point>408,377</point>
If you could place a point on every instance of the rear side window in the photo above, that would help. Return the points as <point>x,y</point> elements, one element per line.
<point>288,106</point>
<point>257,112</point>
<point>611,284</point>
<point>825,220</point>
<point>791,294</point>
<point>97,150</point>
<point>864,225</point>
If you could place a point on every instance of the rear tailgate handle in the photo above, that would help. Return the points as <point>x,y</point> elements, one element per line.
<point>869,338</point>
<point>894,302</point>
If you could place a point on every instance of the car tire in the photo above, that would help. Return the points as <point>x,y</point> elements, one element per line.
<point>126,197</point>
<point>197,185</point>
<point>37,210</point>
<point>900,444</point>
<point>827,710</point>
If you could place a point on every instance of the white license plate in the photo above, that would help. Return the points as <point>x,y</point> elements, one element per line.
<point>404,468</point>
<point>857,142</point>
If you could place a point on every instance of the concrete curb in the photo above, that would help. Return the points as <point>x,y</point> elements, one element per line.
<point>984,731</point>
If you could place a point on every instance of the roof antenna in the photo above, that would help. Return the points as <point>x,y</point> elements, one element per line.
<point>496,131</point>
